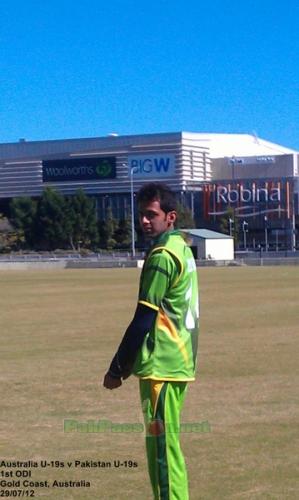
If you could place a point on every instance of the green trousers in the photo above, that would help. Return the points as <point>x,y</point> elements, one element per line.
<point>161,404</point>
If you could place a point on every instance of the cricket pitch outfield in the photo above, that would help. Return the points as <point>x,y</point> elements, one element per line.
<point>59,330</point>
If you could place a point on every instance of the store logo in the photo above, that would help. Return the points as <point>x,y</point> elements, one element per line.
<point>152,165</point>
<point>104,169</point>
<point>247,195</point>
<point>77,169</point>
<point>249,200</point>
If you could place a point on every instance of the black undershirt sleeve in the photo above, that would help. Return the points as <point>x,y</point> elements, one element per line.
<point>132,341</point>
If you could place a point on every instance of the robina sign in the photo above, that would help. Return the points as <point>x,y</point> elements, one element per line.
<point>247,195</point>
<point>152,166</point>
<point>79,169</point>
<point>248,198</point>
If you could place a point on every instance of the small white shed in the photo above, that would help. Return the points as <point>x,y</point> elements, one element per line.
<point>211,245</point>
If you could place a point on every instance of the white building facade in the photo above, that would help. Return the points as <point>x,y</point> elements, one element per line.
<point>215,175</point>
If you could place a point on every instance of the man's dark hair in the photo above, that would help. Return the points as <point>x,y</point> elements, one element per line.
<point>160,192</point>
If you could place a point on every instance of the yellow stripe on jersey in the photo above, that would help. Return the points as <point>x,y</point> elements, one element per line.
<point>156,388</point>
<point>148,304</point>
<point>165,324</point>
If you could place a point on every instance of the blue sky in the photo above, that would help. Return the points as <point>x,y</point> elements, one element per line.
<point>89,68</point>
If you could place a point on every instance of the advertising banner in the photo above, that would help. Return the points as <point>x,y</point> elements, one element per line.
<point>152,165</point>
<point>249,198</point>
<point>79,169</point>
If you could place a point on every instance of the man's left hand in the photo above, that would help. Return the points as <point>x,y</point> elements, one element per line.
<point>111,382</point>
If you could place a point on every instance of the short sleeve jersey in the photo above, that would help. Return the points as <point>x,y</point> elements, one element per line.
<point>168,284</point>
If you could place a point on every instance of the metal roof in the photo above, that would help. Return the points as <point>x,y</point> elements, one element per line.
<point>206,234</point>
<point>218,145</point>
<point>228,145</point>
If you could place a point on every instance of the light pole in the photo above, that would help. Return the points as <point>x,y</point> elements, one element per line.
<point>266,233</point>
<point>293,233</point>
<point>132,212</point>
<point>245,230</point>
<point>192,204</point>
<point>233,163</point>
<point>231,223</point>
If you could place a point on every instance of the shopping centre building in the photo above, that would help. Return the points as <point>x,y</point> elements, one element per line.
<point>237,177</point>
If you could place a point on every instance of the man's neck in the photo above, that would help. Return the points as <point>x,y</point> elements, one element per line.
<point>161,236</point>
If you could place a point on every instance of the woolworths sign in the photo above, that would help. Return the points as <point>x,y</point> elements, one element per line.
<point>79,169</point>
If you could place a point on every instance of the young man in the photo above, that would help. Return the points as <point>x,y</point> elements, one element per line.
<point>160,344</point>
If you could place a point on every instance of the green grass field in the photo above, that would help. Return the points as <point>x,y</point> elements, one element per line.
<point>59,330</point>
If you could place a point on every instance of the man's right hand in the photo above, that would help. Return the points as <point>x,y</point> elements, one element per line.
<point>111,382</point>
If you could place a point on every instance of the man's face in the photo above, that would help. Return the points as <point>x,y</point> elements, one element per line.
<point>153,220</point>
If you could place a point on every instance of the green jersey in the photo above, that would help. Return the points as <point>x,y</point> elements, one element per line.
<point>168,284</point>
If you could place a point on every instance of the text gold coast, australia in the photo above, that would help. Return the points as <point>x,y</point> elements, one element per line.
<point>160,344</point>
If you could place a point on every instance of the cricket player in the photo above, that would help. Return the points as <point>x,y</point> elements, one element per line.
<point>160,344</point>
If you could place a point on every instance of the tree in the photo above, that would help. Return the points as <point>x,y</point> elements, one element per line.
<point>107,230</point>
<point>23,218</point>
<point>123,234</point>
<point>184,217</point>
<point>7,234</point>
<point>81,221</point>
<point>51,221</point>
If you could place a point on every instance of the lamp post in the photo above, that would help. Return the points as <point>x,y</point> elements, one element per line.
<point>233,163</point>
<point>231,223</point>
<point>293,233</point>
<point>266,233</point>
<point>245,230</point>
<point>132,212</point>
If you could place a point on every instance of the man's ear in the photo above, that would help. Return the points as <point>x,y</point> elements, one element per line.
<point>171,217</point>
